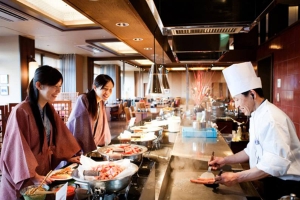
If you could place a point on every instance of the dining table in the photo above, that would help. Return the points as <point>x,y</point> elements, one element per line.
<point>149,112</point>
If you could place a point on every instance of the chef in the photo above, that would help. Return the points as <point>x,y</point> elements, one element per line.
<point>273,150</point>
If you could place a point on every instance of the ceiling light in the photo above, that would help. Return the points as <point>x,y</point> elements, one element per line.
<point>119,47</point>
<point>59,11</point>
<point>198,68</point>
<point>32,66</point>
<point>217,68</point>
<point>137,39</point>
<point>122,24</point>
<point>144,62</point>
<point>147,48</point>
<point>177,69</point>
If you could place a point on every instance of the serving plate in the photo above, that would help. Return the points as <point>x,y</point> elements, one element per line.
<point>142,149</point>
<point>146,128</point>
<point>140,139</point>
<point>68,176</point>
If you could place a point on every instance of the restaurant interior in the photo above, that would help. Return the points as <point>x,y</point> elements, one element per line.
<point>166,58</point>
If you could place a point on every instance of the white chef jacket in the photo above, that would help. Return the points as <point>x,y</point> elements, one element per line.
<point>273,143</point>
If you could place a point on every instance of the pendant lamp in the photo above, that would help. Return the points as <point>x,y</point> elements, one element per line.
<point>32,66</point>
<point>164,78</point>
<point>154,84</point>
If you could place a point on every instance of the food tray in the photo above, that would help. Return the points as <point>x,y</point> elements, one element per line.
<point>190,132</point>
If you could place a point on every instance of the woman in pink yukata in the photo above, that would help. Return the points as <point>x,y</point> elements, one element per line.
<point>88,120</point>
<point>36,139</point>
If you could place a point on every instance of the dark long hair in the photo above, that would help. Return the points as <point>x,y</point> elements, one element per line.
<point>100,81</point>
<point>50,76</point>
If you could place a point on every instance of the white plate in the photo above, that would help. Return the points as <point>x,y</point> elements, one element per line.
<point>141,139</point>
<point>158,123</point>
<point>146,128</point>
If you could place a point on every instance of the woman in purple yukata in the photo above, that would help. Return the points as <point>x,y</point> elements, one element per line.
<point>88,120</point>
<point>36,139</point>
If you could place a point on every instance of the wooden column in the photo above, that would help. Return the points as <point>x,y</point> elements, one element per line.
<point>27,49</point>
<point>90,68</point>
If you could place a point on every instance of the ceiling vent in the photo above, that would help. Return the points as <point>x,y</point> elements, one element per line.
<point>90,48</point>
<point>198,31</point>
<point>11,15</point>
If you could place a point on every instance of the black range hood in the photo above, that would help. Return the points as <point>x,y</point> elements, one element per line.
<point>203,30</point>
<point>200,43</point>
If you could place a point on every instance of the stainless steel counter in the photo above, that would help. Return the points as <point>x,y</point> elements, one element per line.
<point>187,158</point>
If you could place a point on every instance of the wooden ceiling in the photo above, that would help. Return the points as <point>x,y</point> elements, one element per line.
<point>108,13</point>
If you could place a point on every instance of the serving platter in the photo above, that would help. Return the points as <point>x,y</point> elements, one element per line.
<point>146,128</point>
<point>63,174</point>
<point>142,149</point>
<point>140,139</point>
<point>64,177</point>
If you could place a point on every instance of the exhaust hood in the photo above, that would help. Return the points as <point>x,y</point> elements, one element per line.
<point>198,31</point>
<point>202,31</point>
<point>204,48</point>
<point>197,43</point>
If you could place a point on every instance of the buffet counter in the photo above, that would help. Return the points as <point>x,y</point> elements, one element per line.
<point>186,158</point>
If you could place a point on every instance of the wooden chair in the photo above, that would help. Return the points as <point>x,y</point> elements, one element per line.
<point>124,106</point>
<point>2,124</point>
<point>127,115</point>
<point>63,109</point>
<point>118,113</point>
<point>132,111</point>
<point>8,108</point>
<point>140,105</point>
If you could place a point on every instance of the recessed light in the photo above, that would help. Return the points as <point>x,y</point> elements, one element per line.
<point>137,39</point>
<point>122,24</point>
<point>147,48</point>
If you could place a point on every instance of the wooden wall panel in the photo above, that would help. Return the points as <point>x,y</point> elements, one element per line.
<point>27,48</point>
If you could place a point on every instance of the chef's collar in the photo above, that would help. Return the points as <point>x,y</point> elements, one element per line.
<point>258,108</point>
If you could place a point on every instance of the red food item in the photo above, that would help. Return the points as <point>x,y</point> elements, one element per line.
<point>108,171</point>
<point>203,180</point>
<point>70,191</point>
<point>128,149</point>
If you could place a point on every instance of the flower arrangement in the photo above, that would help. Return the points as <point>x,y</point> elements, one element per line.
<point>202,86</point>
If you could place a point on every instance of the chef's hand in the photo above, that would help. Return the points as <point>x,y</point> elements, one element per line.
<point>216,163</point>
<point>75,159</point>
<point>37,179</point>
<point>227,178</point>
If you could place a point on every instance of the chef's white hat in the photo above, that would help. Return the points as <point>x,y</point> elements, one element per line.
<point>241,78</point>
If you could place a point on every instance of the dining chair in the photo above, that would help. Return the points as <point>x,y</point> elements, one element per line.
<point>117,114</point>
<point>140,105</point>
<point>8,108</point>
<point>127,115</point>
<point>124,106</point>
<point>132,111</point>
<point>63,109</point>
